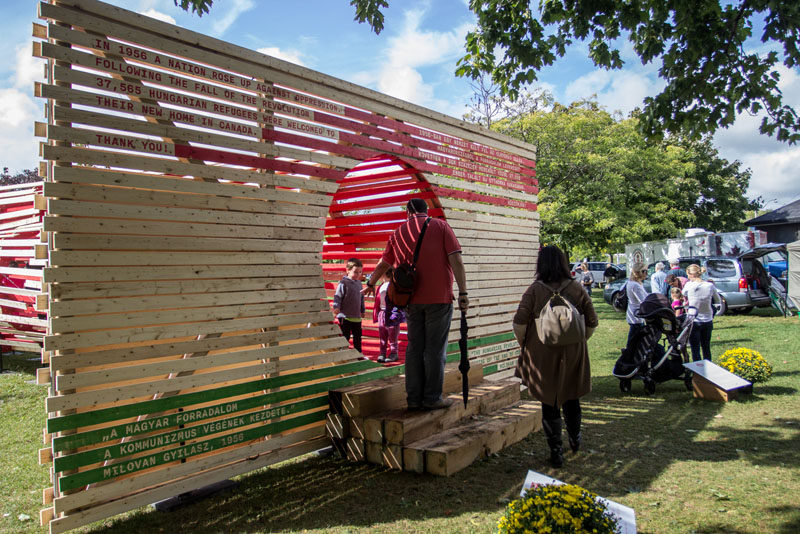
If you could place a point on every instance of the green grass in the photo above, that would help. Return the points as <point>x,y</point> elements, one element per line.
<point>685,465</point>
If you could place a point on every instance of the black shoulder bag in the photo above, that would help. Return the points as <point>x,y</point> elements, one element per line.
<point>401,286</point>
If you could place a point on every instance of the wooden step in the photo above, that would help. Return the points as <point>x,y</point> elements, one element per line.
<point>402,427</point>
<point>449,452</point>
<point>390,393</point>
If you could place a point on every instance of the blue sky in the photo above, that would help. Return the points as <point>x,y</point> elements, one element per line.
<point>413,59</point>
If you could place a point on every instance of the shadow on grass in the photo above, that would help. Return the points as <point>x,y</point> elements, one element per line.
<point>320,493</point>
<point>785,373</point>
<point>792,526</point>
<point>717,528</point>
<point>21,362</point>
<point>629,440</point>
<point>759,389</point>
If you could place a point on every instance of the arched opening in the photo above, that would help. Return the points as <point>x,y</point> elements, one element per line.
<point>366,209</point>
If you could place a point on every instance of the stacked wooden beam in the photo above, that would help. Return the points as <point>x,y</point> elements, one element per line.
<point>371,423</point>
<point>23,312</point>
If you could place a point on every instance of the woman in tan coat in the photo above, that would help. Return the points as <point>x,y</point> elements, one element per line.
<point>556,376</point>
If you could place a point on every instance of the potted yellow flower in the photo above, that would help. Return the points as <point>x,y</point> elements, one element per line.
<point>746,363</point>
<point>557,509</point>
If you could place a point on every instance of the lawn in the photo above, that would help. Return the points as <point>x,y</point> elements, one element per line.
<point>685,465</point>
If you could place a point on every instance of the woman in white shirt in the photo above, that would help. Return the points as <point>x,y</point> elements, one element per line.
<point>700,294</point>
<point>636,294</point>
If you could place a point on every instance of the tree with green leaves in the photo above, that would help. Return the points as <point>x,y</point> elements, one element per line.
<point>603,185</point>
<point>25,177</point>
<point>710,75</point>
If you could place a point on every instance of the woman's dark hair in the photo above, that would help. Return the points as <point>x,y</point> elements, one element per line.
<point>552,266</point>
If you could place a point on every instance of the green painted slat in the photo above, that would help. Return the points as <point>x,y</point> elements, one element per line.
<point>489,369</point>
<point>187,451</point>
<point>69,422</point>
<point>75,441</point>
<point>157,441</point>
<point>453,347</point>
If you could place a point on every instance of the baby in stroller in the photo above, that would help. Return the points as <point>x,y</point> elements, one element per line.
<point>648,358</point>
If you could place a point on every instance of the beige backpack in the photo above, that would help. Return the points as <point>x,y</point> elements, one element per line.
<point>560,323</point>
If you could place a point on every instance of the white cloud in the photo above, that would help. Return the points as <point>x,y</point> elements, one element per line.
<point>15,108</point>
<point>776,177</point>
<point>617,90</point>
<point>18,111</point>
<point>158,15</point>
<point>403,81</point>
<point>27,69</point>
<point>409,50</point>
<point>223,19</point>
<point>292,56</point>
<point>775,165</point>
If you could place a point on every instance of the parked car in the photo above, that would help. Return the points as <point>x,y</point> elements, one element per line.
<point>742,282</point>
<point>597,268</point>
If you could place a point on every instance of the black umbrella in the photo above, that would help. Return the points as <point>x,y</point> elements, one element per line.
<point>463,366</point>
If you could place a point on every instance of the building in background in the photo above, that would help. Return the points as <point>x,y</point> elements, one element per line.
<point>781,225</point>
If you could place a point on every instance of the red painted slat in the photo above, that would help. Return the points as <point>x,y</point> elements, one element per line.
<point>388,228</point>
<point>232,158</point>
<point>378,190</point>
<point>372,255</point>
<point>339,267</point>
<point>372,237</point>
<point>477,197</point>
<point>397,200</point>
<point>435,136</point>
<point>466,163</point>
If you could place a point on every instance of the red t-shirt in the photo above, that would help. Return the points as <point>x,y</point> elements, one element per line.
<point>434,274</point>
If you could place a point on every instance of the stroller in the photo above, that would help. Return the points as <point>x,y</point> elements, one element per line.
<point>648,358</point>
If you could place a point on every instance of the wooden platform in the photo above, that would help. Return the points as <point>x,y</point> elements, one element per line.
<point>363,426</point>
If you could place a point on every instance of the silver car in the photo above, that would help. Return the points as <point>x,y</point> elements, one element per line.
<point>597,268</point>
<point>742,282</point>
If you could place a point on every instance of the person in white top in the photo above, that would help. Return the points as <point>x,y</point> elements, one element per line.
<point>700,294</point>
<point>636,294</point>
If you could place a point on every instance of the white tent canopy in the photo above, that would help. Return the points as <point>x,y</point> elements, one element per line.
<point>793,250</point>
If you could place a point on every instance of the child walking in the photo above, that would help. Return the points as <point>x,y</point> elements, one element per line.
<point>388,321</point>
<point>348,302</point>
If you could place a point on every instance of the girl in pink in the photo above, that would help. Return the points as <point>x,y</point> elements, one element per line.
<point>388,321</point>
<point>677,301</point>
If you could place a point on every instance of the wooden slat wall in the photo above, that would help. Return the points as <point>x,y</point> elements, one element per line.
<point>201,200</point>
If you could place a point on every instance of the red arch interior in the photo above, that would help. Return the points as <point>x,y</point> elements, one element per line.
<point>366,209</point>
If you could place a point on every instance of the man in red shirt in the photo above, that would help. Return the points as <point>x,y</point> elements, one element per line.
<point>430,310</point>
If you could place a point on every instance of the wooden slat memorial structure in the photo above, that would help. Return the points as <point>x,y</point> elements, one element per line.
<point>201,201</point>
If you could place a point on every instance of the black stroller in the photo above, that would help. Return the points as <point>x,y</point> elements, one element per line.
<point>648,358</point>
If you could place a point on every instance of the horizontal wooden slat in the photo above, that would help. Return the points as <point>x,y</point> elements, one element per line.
<point>111,273</point>
<point>132,319</point>
<point>185,244</point>
<point>139,288</point>
<point>156,228</point>
<point>86,156</point>
<point>121,211</point>
<point>142,353</point>
<point>133,372</point>
<point>103,193</point>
